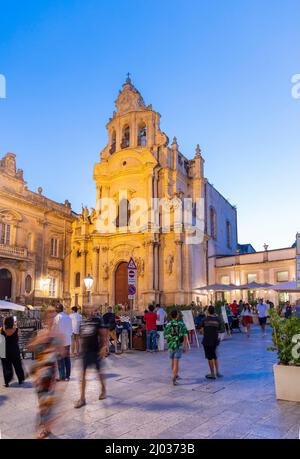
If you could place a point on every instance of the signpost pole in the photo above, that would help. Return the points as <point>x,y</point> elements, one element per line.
<point>131,320</point>
<point>132,274</point>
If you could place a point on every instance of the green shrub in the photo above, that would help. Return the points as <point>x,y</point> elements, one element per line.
<point>283,332</point>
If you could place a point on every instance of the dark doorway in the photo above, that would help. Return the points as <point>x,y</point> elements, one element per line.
<point>5,284</point>
<point>121,284</point>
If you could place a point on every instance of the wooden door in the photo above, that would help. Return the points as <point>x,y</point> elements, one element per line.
<point>121,284</point>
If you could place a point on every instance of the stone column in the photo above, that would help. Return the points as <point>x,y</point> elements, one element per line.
<point>156,266</point>
<point>150,265</point>
<point>96,268</point>
<point>179,243</point>
<point>83,253</point>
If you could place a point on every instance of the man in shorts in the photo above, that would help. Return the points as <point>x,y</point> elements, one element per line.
<point>211,326</point>
<point>176,335</point>
<point>93,341</point>
<point>262,309</point>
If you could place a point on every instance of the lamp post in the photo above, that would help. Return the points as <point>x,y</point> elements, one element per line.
<point>88,282</point>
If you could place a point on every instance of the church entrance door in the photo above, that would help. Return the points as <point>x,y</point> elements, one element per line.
<point>121,284</point>
<point>5,284</point>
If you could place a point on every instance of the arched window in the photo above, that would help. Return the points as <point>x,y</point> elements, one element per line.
<point>123,213</point>
<point>77,280</point>
<point>213,223</point>
<point>125,137</point>
<point>228,234</point>
<point>113,142</point>
<point>142,135</point>
<point>28,283</point>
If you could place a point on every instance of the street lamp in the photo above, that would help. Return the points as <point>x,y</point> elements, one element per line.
<point>88,282</point>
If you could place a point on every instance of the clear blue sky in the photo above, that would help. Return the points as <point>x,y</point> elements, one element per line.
<point>219,72</point>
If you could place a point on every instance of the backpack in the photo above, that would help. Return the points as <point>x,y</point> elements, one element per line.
<point>176,332</point>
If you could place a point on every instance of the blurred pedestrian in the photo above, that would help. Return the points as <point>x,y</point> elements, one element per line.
<point>288,310</point>
<point>93,342</point>
<point>63,325</point>
<point>76,319</point>
<point>160,325</point>
<point>46,346</point>
<point>150,318</point>
<point>262,309</point>
<point>109,319</point>
<point>12,352</point>
<point>247,318</point>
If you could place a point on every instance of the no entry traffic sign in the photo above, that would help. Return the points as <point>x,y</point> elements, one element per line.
<point>131,269</point>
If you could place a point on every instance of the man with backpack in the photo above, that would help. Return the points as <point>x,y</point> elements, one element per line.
<point>176,335</point>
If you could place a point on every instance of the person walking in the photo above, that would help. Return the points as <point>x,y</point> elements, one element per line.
<point>262,309</point>
<point>109,319</point>
<point>288,310</point>
<point>247,318</point>
<point>160,324</point>
<point>176,335</point>
<point>211,327</point>
<point>234,308</point>
<point>76,319</point>
<point>151,331</point>
<point>47,346</point>
<point>63,326</point>
<point>93,342</point>
<point>12,352</point>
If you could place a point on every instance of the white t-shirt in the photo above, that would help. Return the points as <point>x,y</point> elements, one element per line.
<point>63,325</point>
<point>161,316</point>
<point>76,321</point>
<point>246,313</point>
<point>262,310</point>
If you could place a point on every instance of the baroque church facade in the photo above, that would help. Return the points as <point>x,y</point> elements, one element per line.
<point>46,250</point>
<point>139,162</point>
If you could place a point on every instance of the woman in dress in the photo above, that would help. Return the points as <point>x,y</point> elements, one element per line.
<point>46,346</point>
<point>12,352</point>
<point>247,318</point>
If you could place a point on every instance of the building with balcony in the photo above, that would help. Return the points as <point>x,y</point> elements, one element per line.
<point>35,235</point>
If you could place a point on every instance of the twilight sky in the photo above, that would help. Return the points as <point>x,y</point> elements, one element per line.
<point>218,72</point>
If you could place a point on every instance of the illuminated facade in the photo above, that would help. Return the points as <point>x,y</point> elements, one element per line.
<point>138,162</point>
<point>35,235</point>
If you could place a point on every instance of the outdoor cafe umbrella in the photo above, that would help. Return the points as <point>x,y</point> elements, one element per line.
<point>285,287</point>
<point>11,306</point>
<point>253,286</point>
<point>218,287</point>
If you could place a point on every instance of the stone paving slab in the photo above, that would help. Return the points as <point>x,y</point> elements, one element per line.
<point>142,402</point>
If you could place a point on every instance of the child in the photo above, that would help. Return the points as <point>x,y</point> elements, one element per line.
<point>176,335</point>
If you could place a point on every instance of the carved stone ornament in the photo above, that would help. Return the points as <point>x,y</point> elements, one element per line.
<point>169,263</point>
<point>140,264</point>
<point>129,99</point>
<point>105,271</point>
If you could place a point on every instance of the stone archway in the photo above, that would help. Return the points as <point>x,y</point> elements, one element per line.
<point>5,284</point>
<point>121,283</point>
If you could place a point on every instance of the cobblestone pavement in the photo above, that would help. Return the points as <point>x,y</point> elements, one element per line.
<point>142,402</point>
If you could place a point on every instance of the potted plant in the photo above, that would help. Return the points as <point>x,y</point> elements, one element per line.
<point>286,342</point>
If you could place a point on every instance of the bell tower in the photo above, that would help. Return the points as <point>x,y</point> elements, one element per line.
<point>133,124</point>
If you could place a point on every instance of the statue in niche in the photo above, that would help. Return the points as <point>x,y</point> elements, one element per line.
<point>140,264</point>
<point>169,262</point>
<point>105,271</point>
